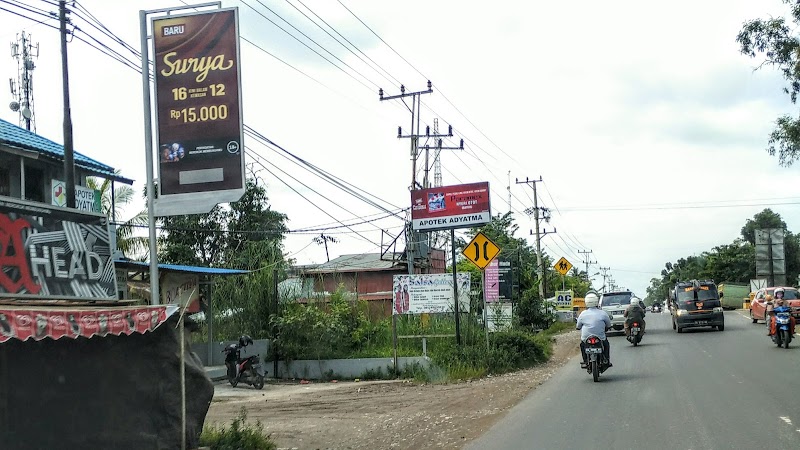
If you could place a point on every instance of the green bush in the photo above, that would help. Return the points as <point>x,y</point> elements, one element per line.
<point>508,350</point>
<point>240,436</point>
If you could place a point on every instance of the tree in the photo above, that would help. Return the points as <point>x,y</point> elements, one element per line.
<point>113,207</point>
<point>775,40</point>
<point>765,219</point>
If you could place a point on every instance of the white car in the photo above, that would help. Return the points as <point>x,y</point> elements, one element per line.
<point>615,304</point>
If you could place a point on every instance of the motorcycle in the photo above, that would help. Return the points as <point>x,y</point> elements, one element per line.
<point>635,334</point>
<point>783,334</point>
<point>597,362</point>
<point>245,370</point>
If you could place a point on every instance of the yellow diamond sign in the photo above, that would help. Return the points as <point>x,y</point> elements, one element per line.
<point>563,266</point>
<point>481,251</point>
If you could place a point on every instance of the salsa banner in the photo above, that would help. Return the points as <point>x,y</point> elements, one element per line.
<point>429,293</point>
<point>54,253</point>
<point>57,322</point>
<point>198,110</point>
<point>445,207</point>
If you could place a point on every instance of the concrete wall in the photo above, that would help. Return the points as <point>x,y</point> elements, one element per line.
<point>259,347</point>
<point>343,368</point>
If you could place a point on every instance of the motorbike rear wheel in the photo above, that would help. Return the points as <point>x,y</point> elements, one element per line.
<point>595,370</point>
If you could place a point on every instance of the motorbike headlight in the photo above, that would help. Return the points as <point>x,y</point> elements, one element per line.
<point>718,309</point>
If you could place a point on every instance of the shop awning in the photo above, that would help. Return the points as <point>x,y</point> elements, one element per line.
<point>37,323</point>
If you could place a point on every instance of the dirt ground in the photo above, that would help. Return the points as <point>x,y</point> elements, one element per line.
<point>385,414</point>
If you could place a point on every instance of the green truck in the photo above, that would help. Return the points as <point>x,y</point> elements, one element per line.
<point>735,294</point>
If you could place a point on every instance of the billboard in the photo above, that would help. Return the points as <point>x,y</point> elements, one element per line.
<point>198,111</point>
<point>498,282</point>
<point>54,253</point>
<point>445,207</point>
<point>429,293</point>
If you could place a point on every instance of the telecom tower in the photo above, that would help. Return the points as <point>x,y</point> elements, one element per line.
<point>439,239</point>
<point>437,158</point>
<point>24,51</point>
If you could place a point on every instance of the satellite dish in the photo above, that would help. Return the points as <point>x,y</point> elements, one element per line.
<point>14,106</point>
<point>26,113</point>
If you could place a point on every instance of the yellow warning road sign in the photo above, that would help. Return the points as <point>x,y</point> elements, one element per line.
<point>563,266</point>
<point>481,251</point>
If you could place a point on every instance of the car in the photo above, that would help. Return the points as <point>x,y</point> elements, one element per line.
<point>696,304</point>
<point>758,306</point>
<point>615,303</point>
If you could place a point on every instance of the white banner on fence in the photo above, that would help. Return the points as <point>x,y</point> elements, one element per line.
<point>429,293</point>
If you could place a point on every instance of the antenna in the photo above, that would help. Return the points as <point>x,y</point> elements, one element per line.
<point>24,52</point>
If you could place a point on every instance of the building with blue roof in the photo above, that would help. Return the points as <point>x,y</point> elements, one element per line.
<point>31,166</point>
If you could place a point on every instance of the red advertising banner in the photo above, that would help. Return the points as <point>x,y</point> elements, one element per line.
<point>445,207</point>
<point>56,322</point>
<point>198,104</point>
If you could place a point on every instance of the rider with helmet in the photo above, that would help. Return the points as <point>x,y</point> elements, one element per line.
<point>779,306</point>
<point>634,313</point>
<point>245,340</point>
<point>593,321</point>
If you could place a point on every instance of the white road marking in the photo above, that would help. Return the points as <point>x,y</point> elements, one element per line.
<point>787,420</point>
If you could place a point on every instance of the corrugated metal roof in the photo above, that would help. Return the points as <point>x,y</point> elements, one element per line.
<point>362,262</point>
<point>180,268</point>
<point>15,136</point>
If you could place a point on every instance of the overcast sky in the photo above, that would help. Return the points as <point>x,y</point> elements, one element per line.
<point>634,114</point>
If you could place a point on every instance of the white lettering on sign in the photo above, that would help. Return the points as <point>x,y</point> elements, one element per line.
<point>174,30</point>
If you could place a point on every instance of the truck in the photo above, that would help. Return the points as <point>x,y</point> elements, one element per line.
<point>696,303</point>
<point>735,294</point>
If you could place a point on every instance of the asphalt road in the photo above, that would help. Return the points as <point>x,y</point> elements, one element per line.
<point>702,389</point>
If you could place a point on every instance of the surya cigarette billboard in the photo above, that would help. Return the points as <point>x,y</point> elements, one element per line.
<point>445,207</point>
<point>198,109</point>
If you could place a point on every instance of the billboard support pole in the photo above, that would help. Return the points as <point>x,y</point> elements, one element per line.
<point>148,150</point>
<point>485,311</point>
<point>455,284</point>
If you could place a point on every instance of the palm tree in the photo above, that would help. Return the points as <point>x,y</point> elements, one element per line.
<point>135,247</point>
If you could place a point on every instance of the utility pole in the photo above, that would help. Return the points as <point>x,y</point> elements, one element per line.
<point>587,261</point>
<point>69,157</point>
<point>604,270</point>
<point>538,234</point>
<point>22,91</point>
<point>415,113</point>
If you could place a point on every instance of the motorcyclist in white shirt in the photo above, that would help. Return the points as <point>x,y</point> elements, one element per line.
<point>593,321</point>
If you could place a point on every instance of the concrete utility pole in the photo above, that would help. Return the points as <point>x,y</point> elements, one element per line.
<point>415,113</point>
<point>539,234</point>
<point>604,270</point>
<point>69,157</point>
<point>587,261</point>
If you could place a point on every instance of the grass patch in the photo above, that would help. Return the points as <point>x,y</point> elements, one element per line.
<point>240,436</point>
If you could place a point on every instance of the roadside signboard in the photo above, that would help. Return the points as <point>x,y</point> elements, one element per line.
<point>481,251</point>
<point>563,266</point>
<point>198,111</point>
<point>446,207</point>
<point>429,293</point>
<point>497,282</point>
<point>53,253</point>
<point>564,299</point>
<point>498,317</point>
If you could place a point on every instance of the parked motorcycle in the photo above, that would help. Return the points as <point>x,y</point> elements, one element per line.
<point>635,334</point>
<point>597,362</point>
<point>245,370</point>
<point>783,334</point>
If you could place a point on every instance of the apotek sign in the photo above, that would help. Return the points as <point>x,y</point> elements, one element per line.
<point>445,207</point>
<point>198,110</point>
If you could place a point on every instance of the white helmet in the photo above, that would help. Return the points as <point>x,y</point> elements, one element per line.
<point>591,300</point>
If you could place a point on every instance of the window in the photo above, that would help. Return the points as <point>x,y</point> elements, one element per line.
<point>34,184</point>
<point>5,182</point>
